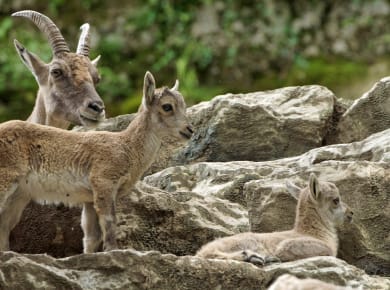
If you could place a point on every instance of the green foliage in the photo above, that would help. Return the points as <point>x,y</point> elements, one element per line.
<point>135,36</point>
<point>17,85</point>
<point>327,72</point>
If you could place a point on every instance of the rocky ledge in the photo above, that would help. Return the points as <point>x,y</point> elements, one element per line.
<point>229,178</point>
<point>129,269</point>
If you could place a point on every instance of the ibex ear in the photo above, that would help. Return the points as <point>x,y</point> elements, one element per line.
<point>32,61</point>
<point>293,189</point>
<point>149,88</point>
<point>96,61</point>
<point>314,186</point>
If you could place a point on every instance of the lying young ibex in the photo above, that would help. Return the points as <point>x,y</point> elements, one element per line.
<point>318,212</point>
<point>67,93</point>
<point>54,165</point>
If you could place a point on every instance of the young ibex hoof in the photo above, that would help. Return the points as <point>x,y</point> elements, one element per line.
<point>253,258</point>
<point>271,259</point>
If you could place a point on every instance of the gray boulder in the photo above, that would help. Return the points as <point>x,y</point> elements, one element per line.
<point>259,126</point>
<point>178,223</point>
<point>367,115</point>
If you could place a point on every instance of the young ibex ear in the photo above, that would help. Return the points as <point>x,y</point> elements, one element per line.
<point>314,186</point>
<point>32,61</point>
<point>293,189</point>
<point>149,88</point>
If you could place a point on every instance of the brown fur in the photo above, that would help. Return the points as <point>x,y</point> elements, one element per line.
<point>44,163</point>
<point>314,232</point>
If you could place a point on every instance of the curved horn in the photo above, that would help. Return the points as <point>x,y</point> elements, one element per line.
<point>84,41</point>
<point>176,86</point>
<point>47,27</point>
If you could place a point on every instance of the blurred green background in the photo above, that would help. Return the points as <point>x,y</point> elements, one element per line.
<point>212,47</point>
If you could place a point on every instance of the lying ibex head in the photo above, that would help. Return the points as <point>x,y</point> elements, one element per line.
<point>67,83</point>
<point>324,197</point>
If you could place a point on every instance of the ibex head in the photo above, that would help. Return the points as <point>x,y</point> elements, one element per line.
<point>324,197</point>
<point>67,91</point>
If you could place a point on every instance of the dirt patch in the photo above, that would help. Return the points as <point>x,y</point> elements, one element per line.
<point>54,230</point>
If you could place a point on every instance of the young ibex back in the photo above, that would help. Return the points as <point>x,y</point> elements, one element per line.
<point>54,165</point>
<point>67,93</point>
<point>319,211</point>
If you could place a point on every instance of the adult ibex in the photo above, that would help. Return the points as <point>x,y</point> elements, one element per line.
<point>66,92</point>
<point>54,165</point>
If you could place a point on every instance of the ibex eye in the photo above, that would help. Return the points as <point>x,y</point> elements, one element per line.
<point>167,107</point>
<point>56,72</point>
<point>336,201</point>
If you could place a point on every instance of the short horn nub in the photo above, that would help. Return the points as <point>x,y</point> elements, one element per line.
<point>176,86</point>
<point>47,27</point>
<point>84,41</point>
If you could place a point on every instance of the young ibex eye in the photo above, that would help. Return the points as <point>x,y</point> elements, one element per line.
<point>336,201</point>
<point>167,107</point>
<point>56,72</point>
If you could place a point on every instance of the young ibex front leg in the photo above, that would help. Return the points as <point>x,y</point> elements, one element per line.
<point>104,203</point>
<point>91,228</point>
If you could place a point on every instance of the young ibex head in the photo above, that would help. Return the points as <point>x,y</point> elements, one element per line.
<point>325,198</point>
<point>167,109</point>
<point>67,91</point>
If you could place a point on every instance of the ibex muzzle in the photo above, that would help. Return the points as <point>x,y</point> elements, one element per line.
<point>67,93</point>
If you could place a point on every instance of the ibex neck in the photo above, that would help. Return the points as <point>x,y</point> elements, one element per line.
<point>309,222</point>
<point>140,137</point>
<point>40,116</point>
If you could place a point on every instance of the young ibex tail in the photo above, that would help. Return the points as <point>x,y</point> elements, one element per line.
<point>67,93</point>
<point>54,165</point>
<point>319,211</point>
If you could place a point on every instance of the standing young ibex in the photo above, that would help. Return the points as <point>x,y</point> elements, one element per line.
<point>54,165</point>
<point>66,92</point>
<point>318,212</point>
